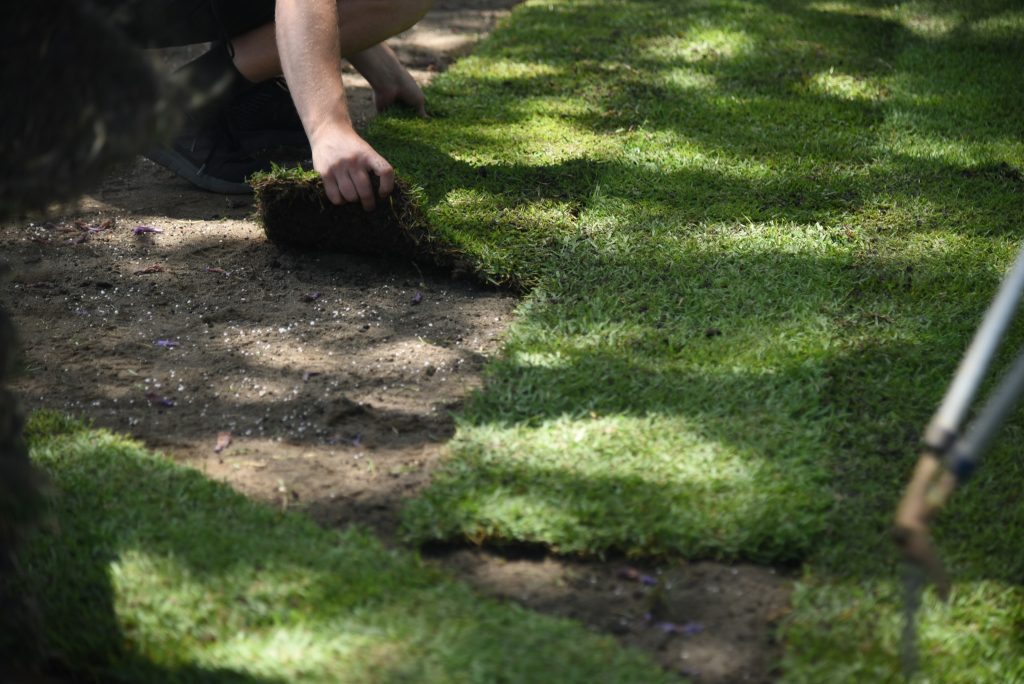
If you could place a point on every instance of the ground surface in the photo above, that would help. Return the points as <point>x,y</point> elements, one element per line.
<point>335,376</point>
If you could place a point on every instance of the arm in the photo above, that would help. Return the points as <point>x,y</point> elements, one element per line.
<point>309,47</point>
<point>391,82</point>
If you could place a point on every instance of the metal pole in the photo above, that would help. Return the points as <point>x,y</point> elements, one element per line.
<point>946,422</point>
<point>966,451</point>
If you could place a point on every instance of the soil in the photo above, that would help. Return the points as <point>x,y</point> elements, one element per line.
<point>333,376</point>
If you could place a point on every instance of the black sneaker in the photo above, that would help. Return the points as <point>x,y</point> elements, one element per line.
<point>264,117</point>
<point>211,158</point>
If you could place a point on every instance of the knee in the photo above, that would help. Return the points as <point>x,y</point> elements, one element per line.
<point>414,10</point>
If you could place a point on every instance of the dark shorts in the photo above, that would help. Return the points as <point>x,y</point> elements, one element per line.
<point>168,23</point>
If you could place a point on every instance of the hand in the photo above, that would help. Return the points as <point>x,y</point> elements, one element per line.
<point>402,90</point>
<point>392,84</point>
<point>344,161</point>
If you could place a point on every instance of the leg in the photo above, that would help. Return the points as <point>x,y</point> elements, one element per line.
<point>363,24</point>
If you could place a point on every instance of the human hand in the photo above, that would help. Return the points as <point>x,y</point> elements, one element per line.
<point>400,89</point>
<point>345,161</point>
<point>392,84</point>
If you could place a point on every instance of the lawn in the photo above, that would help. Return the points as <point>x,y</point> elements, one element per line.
<point>756,238</point>
<point>156,574</point>
<point>753,239</point>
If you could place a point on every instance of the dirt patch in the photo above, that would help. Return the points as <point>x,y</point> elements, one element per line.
<point>336,377</point>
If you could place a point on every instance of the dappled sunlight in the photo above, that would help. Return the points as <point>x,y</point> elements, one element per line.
<point>1005,25</point>
<point>979,630</point>
<point>685,78</point>
<point>845,86</point>
<point>336,652</point>
<point>643,484</point>
<point>923,19</point>
<point>699,44</point>
<point>852,9</point>
<point>196,576</point>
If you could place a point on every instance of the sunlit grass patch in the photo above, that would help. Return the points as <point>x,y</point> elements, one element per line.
<point>850,631</point>
<point>782,223</point>
<point>648,486</point>
<point>157,574</point>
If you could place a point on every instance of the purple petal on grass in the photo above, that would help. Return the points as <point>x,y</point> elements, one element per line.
<point>167,344</point>
<point>140,230</point>
<point>648,617</point>
<point>311,297</point>
<point>648,580</point>
<point>357,440</point>
<point>417,298</point>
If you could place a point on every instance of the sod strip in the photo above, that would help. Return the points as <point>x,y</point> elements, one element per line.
<point>650,170</point>
<point>294,211</point>
<point>159,575</point>
<point>945,229</point>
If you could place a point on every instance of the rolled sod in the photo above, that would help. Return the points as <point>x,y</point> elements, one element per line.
<point>295,212</point>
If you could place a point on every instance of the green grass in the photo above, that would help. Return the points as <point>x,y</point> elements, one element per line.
<point>757,236</point>
<point>156,574</point>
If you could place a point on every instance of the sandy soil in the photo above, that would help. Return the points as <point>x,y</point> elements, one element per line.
<point>334,378</point>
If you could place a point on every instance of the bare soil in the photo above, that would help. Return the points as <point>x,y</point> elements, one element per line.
<point>333,376</point>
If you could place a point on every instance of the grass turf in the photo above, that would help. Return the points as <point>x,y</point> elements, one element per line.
<point>757,237</point>
<point>157,574</point>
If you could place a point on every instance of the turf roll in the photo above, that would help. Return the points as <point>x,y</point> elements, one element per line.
<point>295,212</point>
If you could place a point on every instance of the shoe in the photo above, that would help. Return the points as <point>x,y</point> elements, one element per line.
<point>211,158</point>
<point>264,117</point>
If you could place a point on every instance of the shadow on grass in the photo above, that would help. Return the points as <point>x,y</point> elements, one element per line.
<point>792,115</point>
<point>712,347</point>
<point>211,587</point>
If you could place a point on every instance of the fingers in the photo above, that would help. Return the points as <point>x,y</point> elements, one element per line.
<point>361,181</point>
<point>345,163</point>
<point>386,174</point>
<point>355,185</point>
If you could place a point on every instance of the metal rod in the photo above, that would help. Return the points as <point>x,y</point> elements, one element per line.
<point>946,422</point>
<point>966,451</point>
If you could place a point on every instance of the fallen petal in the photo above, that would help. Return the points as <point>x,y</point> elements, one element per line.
<point>215,269</point>
<point>668,627</point>
<point>417,298</point>
<point>140,230</point>
<point>153,268</point>
<point>167,344</point>
<point>223,442</point>
<point>691,628</point>
<point>156,400</point>
<point>311,297</point>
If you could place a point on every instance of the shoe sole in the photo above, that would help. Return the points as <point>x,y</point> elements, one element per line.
<point>181,165</point>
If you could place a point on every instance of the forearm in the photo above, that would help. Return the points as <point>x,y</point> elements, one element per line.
<point>309,47</point>
<point>377,64</point>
